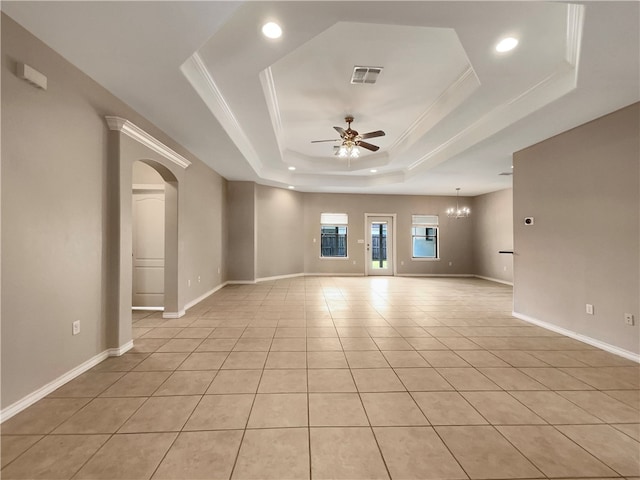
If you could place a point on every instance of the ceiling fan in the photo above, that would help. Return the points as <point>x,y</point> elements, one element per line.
<point>351,138</point>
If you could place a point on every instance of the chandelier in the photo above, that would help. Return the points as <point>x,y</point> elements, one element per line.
<point>348,149</point>
<point>458,212</point>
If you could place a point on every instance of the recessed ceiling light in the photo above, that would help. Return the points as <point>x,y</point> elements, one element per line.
<point>271,30</point>
<point>291,187</point>
<point>292,168</point>
<point>373,170</point>
<point>506,44</point>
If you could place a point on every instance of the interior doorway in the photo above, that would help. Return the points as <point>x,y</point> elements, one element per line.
<point>148,242</point>
<point>380,246</point>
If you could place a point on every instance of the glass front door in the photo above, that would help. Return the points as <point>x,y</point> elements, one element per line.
<point>380,245</point>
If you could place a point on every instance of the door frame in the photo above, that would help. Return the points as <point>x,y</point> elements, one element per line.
<point>394,219</point>
<point>142,189</point>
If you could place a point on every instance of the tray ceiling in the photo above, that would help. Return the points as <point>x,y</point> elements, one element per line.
<point>453,109</point>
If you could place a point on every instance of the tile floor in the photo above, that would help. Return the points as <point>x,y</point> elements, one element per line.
<point>343,378</point>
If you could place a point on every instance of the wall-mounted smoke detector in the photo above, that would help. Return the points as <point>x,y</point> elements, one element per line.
<point>365,74</point>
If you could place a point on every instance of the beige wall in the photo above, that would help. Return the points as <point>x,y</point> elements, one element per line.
<point>241,231</point>
<point>455,235</point>
<point>202,238</point>
<point>279,239</point>
<point>276,228</point>
<point>144,174</point>
<point>56,225</point>
<point>582,188</point>
<point>53,193</point>
<point>493,231</point>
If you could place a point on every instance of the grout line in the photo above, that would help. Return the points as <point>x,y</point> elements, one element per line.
<point>246,426</point>
<point>306,361</point>
<point>275,295</point>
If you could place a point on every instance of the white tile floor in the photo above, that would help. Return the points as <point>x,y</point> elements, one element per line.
<point>346,378</point>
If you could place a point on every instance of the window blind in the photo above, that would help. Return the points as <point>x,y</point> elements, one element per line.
<point>424,219</point>
<point>334,218</point>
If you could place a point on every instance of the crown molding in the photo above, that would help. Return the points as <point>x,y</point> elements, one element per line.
<point>269,88</point>
<point>131,130</point>
<point>452,97</point>
<point>575,23</point>
<point>542,93</point>
<point>196,72</point>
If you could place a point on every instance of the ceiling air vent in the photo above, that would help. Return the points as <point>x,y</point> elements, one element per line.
<point>365,74</point>
<point>506,173</point>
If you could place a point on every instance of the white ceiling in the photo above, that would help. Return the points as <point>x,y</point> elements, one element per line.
<point>452,108</point>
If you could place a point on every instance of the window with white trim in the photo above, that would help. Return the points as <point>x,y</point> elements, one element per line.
<point>424,236</point>
<point>333,235</point>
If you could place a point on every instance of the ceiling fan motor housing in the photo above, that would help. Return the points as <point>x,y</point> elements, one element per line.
<point>351,138</point>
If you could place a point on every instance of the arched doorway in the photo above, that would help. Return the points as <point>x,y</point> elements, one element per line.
<point>127,145</point>
<point>169,279</point>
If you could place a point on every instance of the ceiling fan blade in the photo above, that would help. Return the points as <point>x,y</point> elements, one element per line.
<point>340,130</point>
<point>368,146</point>
<point>319,141</point>
<point>377,133</point>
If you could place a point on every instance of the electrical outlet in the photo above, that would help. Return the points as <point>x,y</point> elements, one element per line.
<point>628,319</point>
<point>198,278</point>
<point>189,283</point>
<point>401,262</point>
<point>589,309</point>
<point>218,270</point>
<point>75,327</point>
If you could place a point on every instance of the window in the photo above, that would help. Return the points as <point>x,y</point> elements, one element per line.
<point>424,236</point>
<point>333,234</point>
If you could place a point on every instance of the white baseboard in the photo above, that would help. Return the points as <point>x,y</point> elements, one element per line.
<point>179,314</point>
<point>581,338</point>
<point>334,275</point>
<point>204,295</point>
<point>458,275</point>
<point>148,309</point>
<point>279,277</point>
<point>121,350</point>
<point>45,390</point>
<point>265,279</point>
<point>491,279</point>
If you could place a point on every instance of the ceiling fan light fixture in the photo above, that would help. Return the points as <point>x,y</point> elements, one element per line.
<point>271,30</point>
<point>352,141</point>
<point>348,150</point>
